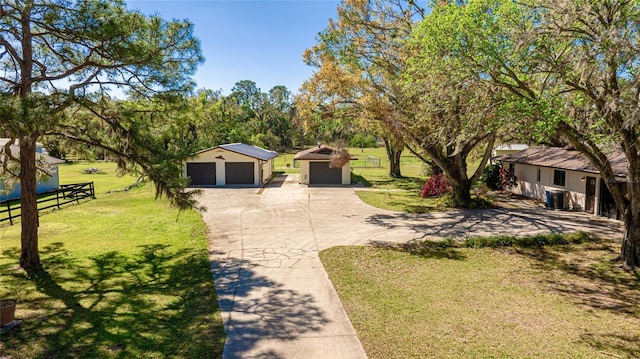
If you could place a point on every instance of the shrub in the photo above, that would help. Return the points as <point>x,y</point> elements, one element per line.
<point>437,185</point>
<point>539,240</point>
<point>500,241</point>
<point>507,178</point>
<point>491,177</point>
<point>92,170</point>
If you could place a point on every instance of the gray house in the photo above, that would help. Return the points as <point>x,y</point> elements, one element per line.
<point>45,183</point>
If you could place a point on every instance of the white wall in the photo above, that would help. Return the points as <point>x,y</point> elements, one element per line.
<point>346,173</point>
<point>210,156</point>
<point>529,186</point>
<point>43,184</point>
<point>267,170</point>
<point>303,178</point>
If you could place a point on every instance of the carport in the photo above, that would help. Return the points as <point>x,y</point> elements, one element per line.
<point>235,164</point>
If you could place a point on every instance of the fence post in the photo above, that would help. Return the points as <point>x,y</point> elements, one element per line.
<point>58,198</point>
<point>93,191</point>
<point>9,212</point>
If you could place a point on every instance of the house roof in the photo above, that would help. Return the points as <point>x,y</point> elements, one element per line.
<point>247,150</point>
<point>558,157</point>
<point>4,140</point>
<point>53,160</point>
<point>321,152</point>
<point>511,147</point>
<point>15,150</point>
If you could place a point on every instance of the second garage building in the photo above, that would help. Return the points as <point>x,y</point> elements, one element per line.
<point>235,164</point>
<point>315,170</point>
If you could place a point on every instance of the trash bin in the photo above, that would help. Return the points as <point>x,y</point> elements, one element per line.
<point>558,200</point>
<point>547,202</point>
<point>555,199</point>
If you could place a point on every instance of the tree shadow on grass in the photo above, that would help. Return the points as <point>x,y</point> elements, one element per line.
<point>413,184</point>
<point>157,302</point>
<point>424,248</point>
<point>596,282</point>
<point>409,183</point>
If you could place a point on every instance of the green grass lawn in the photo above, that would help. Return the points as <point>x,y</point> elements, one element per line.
<point>411,167</point>
<point>126,276</point>
<point>403,201</point>
<point>396,194</point>
<point>567,301</point>
<point>282,160</point>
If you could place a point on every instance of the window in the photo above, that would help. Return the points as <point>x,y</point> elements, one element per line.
<point>559,177</point>
<point>539,174</point>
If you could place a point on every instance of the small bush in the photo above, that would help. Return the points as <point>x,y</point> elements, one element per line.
<point>480,203</point>
<point>539,240</point>
<point>491,177</point>
<point>508,179</point>
<point>92,170</point>
<point>437,185</point>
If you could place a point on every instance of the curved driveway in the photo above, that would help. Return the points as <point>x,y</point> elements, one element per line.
<point>275,296</point>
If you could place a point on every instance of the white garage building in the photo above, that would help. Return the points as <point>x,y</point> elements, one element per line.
<point>235,164</point>
<point>315,169</point>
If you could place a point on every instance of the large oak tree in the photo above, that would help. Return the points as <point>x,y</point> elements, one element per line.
<point>366,42</point>
<point>59,60</point>
<point>434,108</point>
<point>573,67</point>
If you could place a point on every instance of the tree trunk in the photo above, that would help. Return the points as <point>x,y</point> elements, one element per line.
<point>461,193</point>
<point>29,256</point>
<point>394,151</point>
<point>460,184</point>
<point>630,252</point>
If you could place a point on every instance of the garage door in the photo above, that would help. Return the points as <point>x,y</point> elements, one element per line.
<point>321,173</point>
<point>202,174</point>
<point>239,172</point>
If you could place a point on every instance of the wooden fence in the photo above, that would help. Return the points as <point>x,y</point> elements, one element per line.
<point>68,193</point>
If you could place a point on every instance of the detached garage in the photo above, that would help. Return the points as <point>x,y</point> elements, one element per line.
<point>235,164</point>
<point>315,169</point>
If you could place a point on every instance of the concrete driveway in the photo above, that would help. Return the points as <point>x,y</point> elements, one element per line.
<point>274,294</point>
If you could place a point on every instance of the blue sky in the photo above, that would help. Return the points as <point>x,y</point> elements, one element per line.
<point>260,40</point>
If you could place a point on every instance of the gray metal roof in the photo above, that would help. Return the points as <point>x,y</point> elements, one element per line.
<point>15,150</point>
<point>558,157</point>
<point>247,150</point>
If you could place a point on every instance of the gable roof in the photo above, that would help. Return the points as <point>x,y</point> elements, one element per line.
<point>244,149</point>
<point>52,160</point>
<point>511,147</point>
<point>558,157</point>
<point>321,152</point>
<point>40,154</point>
